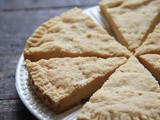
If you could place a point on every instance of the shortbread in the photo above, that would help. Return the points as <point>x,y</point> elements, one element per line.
<point>152,63</point>
<point>63,82</point>
<point>72,34</point>
<point>130,93</point>
<point>152,43</point>
<point>131,20</point>
<point>149,53</point>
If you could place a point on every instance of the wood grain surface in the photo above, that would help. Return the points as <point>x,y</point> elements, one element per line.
<point>18,19</point>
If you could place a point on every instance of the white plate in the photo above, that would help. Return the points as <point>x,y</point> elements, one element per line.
<point>31,101</point>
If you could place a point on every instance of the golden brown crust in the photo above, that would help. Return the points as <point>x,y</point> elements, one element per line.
<point>130,93</point>
<point>131,20</point>
<point>63,82</point>
<point>69,35</point>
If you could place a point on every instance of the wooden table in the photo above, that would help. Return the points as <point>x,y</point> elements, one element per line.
<point>18,19</point>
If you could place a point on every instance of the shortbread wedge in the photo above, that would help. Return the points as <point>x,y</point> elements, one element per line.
<point>131,20</point>
<point>130,93</point>
<point>149,53</point>
<point>152,43</point>
<point>63,82</point>
<point>152,63</point>
<point>72,34</point>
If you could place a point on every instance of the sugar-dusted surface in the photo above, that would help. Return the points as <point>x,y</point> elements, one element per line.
<point>129,93</point>
<point>149,52</point>
<point>152,63</point>
<point>132,20</point>
<point>69,35</point>
<point>64,82</point>
<point>152,43</point>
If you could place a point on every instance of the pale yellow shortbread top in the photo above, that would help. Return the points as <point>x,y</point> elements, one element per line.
<point>153,60</point>
<point>152,43</point>
<point>69,35</point>
<point>134,19</point>
<point>131,93</point>
<point>152,63</point>
<point>58,78</point>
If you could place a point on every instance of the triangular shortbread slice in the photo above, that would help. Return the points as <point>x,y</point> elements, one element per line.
<point>152,43</point>
<point>72,34</point>
<point>149,52</point>
<point>63,82</point>
<point>152,63</point>
<point>130,93</point>
<point>131,20</point>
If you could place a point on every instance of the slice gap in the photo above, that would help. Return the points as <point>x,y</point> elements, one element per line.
<point>152,43</point>
<point>69,35</point>
<point>149,53</point>
<point>131,20</point>
<point>152,63</point>
<point>131,92</point>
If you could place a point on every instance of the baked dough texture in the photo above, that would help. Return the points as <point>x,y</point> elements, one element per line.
<point>149,53</point>
<point>152,43</point>
<point>152,63</point>
<point>69,57</point>
<point>63,82</point>
<point>72,34</point>
<point>131,20</point>
<point>130,93</point>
